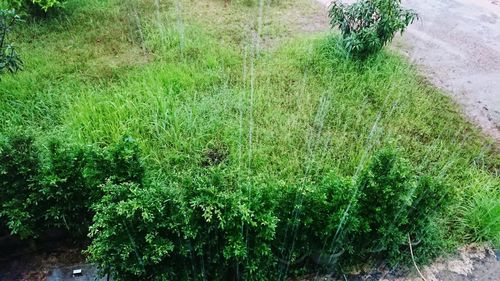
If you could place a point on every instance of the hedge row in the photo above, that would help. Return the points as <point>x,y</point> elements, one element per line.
<point>55,187</point>
<point>210,225</point>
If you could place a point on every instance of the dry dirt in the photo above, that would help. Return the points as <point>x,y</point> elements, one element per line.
<point>456,44</point>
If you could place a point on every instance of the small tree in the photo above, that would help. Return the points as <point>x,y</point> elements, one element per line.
<point>9,59</point>
<point>367,25</point>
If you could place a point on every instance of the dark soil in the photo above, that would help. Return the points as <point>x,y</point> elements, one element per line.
<point>32,260</point>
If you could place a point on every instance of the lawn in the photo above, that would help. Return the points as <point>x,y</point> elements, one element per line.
<point>254,94</point>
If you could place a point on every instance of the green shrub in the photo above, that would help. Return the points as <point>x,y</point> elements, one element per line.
<point>311,217</point>
<point>34,7</point>
<point>386,190</point>
<point>55,188</point>
<point>9,59</point>
<point>125,162</point>
<point>72,178</point>
<point>208,224</point>
<point>367,25</point>
<point>223,229</point>
<point>393,204</point>
<point>19,184</point>
<point>201,230</point>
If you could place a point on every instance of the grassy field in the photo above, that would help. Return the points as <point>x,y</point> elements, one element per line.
<point>261,89</point>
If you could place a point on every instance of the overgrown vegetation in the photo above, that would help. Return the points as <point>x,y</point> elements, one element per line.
<point>251,142</point>
<point>367,25</point>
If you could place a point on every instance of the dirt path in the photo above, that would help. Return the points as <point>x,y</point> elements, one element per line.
<point>457,45</point>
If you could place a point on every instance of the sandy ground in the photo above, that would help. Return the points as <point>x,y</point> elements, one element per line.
<point>456,43</point>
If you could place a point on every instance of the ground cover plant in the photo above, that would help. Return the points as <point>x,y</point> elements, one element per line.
<point>257,140</point>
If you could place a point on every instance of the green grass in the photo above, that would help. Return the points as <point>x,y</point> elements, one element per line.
<point>479,216</point>
<point>189,78</point>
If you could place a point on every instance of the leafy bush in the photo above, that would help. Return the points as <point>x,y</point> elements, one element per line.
<point>255,232</point>
<point>393,204</point>
<point>73,176</point>
<point>202,230</point>
<point>367,25</point>
<point>19,183</point>
<point>207,224</point>
<point>34,7</point>
<point>223,230</point>
<point>311,217</point>
<point>55,188</point>
<point>9,59</point>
